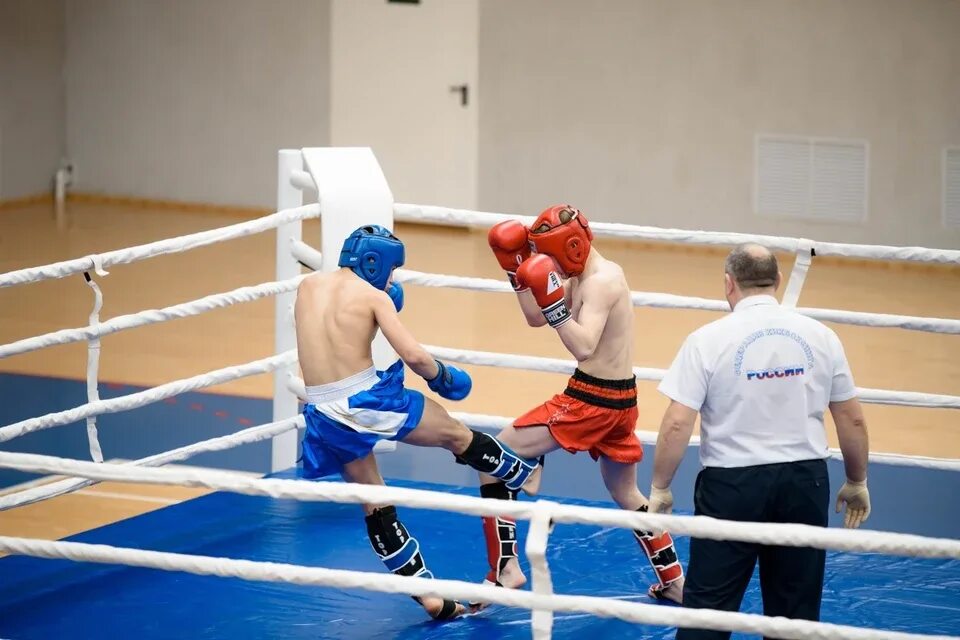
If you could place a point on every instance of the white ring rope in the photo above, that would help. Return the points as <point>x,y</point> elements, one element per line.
<point>793,535</point>
<point>160,247</point>
<point>671,301</point>
<point>463,217</point>
<point>541,511</point>
<point>151,316</point>
<point>883,320</point>
<point>306,255</point>
<point>93,366</point>
<point>148,396</point>
<point>221,443</point>
<point>554,365</point>
<point>637,612</point>
<point>908,398</point>
<point>495,423</point>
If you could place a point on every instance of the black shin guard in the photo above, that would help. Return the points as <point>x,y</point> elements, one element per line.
<point>400,552</point>
<point>488,455</point>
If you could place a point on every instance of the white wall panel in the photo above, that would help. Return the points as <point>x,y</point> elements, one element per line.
<point>31,95</point>
<point>646,111</point>
<point>951,188</point>
<point>190,100</point>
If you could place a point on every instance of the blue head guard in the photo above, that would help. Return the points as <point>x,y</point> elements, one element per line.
<point>372,253</point>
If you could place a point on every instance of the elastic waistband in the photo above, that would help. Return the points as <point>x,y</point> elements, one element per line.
<point>599,392</point>
<point>602,383</point>
<point>321,393</point>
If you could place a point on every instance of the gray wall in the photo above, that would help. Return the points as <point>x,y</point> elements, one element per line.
<point>31,95</point>
<point>645,111</point>
<point>190,100</point>
<point>640,111</point>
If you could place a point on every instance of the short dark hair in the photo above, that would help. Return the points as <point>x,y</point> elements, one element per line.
<point>752,266</point>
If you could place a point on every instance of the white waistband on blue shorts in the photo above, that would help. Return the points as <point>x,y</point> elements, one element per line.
<point>322,393</point>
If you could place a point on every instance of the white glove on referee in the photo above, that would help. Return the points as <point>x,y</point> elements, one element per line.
<point>661,500</point>
<point>857,500</point>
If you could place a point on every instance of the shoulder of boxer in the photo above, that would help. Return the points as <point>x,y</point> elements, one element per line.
<point>313,281</point>
<point>312,291</point>
<point>607,271</point>
<point>600,293</point>
<point>361,300</point>
<point>609,280</point>
<point>377,298</point>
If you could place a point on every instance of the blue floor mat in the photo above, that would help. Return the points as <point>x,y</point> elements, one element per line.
<point>61,599</point>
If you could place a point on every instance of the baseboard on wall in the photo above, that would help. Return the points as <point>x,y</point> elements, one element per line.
<point>248,212</point>
<point>239,211</point>
<point>26,201</point>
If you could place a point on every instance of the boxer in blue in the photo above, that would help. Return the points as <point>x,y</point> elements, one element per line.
<point>351,405</point>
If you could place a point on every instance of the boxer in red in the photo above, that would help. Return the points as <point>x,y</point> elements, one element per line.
<point>561,280</point>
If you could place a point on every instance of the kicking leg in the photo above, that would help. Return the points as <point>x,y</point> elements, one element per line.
<point>399,551</point>
<point>481,451</point>
<point>530,442</point>
<point>621,481</point>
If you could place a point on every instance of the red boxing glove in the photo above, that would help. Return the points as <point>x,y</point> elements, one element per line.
<point>508,239</point>
<point>540,275</point>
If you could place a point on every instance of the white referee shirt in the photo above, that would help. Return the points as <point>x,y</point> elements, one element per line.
<point>761,378</point>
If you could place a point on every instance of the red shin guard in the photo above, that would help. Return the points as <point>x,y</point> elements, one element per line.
<point>499,532</point>
<point>501,536</point>
<point>661,553</point>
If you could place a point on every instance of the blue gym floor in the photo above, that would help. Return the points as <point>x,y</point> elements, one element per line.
<point>174,422</point>
<point>62,599</point>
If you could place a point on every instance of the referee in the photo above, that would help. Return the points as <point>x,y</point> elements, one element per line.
<point>761,379</point>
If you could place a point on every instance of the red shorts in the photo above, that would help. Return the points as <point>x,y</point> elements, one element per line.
<point>592,415</point>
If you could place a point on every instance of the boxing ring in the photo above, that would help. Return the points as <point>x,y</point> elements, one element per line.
<point>296,552</point>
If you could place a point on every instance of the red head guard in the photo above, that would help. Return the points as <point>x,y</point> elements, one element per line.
<point>563,233</point>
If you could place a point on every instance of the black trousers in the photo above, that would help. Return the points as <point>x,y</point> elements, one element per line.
<point>791,578</point>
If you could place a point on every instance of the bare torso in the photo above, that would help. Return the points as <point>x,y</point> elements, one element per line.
<point>613,357</point>
<point>335,326</point>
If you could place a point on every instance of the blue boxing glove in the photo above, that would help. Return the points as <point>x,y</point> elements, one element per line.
<point>395,291</point>
<point>451,383</point>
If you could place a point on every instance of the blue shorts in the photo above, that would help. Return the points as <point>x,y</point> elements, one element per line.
<point>345,419</point>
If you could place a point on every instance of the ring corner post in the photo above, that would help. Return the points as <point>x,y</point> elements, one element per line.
<point>352,191</point>
<point>285,403</point>
<point>536,549</point>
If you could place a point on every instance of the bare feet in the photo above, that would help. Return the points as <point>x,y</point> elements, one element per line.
<point>435,609</point>
<point>672,592</point>
<point>511,577</point>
